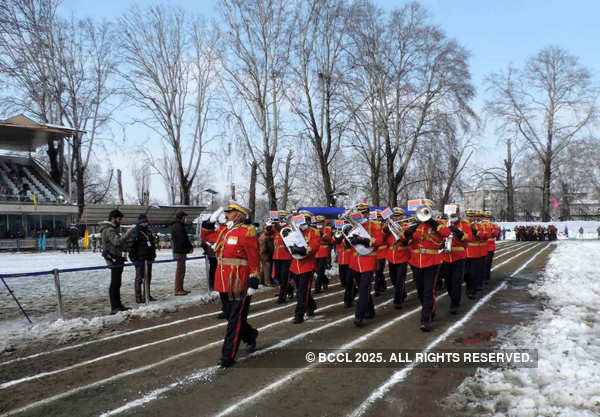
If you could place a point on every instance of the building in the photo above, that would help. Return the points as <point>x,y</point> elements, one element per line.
<point>486,199</point>
<point>31,203</point>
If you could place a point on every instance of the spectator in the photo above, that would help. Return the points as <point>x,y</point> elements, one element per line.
<point>266,249</point>
<point>598,231</point>
<point>143,249</point>
<point>566,231</point>
<point>114,244</point>
<point>181,247</point>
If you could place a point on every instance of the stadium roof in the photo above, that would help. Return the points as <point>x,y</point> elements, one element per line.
<point>20,133</point>
<point>96,213</point>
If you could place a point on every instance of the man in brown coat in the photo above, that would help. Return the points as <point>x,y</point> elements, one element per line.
<point>265,249</point>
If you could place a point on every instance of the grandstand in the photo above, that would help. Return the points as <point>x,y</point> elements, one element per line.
<point>31,203</point>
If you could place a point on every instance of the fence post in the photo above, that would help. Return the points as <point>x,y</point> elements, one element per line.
<point>58,293</point>
<point>12,294</point>
<point>147,265</point>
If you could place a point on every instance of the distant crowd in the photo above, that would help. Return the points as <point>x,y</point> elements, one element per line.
<point>538,232</point>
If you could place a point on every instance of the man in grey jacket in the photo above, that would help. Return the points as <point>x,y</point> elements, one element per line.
<point>114,243</point>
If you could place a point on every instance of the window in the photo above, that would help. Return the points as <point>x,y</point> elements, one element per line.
<point>33,224</point>
<point>15,223</point>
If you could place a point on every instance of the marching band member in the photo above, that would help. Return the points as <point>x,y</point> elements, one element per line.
<point>343,260</point>
<point>322,255</point>
<point>474,266</point>
<point>281,259</point>
<point>453,266</point>
<point>236,248</point>
<point>364,266</point>
<point>493,232</point>
<point>398,256</point>
<point>382,250</point>
<point>302,270</point>
<point>483,248</point>
<point>427,238</point>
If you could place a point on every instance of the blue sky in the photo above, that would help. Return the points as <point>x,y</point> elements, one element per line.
<point>497,33</point>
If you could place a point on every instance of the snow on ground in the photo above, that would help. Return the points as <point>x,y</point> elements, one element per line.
<point>567,336</point>
<point>85,295</point>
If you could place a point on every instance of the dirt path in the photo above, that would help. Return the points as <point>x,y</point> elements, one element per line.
<point>167,366</point>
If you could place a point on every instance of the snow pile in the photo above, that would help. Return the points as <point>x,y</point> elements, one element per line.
<point>567,337</point>
<point>85,296</point>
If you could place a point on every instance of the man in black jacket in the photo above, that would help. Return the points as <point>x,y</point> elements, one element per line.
<point>114,244</point>
<point>181,247</point>
<point>143,248</point>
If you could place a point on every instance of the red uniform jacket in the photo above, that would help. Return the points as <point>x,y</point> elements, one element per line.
<point>459,247</point>
<point>236,250</point>
<point>307,264</point>
<point>324,247</point>
<point>343,254</point>
<point>483,239</point>
<point>494,231</point>
<point>280,251</point>
<point>398,251</point>
<point>473,247</point>
<point>368,262</point>
<point>425,244</point>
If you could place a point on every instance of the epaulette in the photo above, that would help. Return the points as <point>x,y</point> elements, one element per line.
<point>251,230</point>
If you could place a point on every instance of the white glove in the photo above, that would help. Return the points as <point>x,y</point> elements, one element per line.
<point>251,291</point>
<point>215,216</point>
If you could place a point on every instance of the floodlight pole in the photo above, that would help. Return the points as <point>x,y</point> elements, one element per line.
<point>70,169</point>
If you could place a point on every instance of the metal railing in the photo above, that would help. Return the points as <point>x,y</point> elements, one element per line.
<point>56,274</point>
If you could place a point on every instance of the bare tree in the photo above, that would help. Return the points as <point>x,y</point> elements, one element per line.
<point>169,74</point>
<point>29,65</point>
<point>141,179</point>
<point>255,62</point>
<point>416,76</point>
<point>61,71</point>
<point>317,74</point>
<point>551,100</point>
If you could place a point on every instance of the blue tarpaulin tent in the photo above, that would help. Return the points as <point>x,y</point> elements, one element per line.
<point>333,212</point>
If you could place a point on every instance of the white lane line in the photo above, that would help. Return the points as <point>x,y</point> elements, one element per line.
<point>181,355</point>
<point>154,394</point>
<point>14,382</point>
<point>200,374</point>
<point>146,329</point>
<point>278,383</point>
<point>399,376</point>
<point>176,322</point>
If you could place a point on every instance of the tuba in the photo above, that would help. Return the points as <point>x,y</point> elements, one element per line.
<point>292,236</point>
<point>356,229</point>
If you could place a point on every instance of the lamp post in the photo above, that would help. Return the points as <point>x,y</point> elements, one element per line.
<point>212,196</point>
<point>338,194</point>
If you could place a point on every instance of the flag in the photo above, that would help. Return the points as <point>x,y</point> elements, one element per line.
<point>339,224</point>
<point>373,215</point>
<point>86,239</point>
<point>412,205</point>
<point>357,217</point>
<point>387,213</point>
<point>299,219</point>
<point>555,202</point>
<point>35,203</point>
<point>274,215</point>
